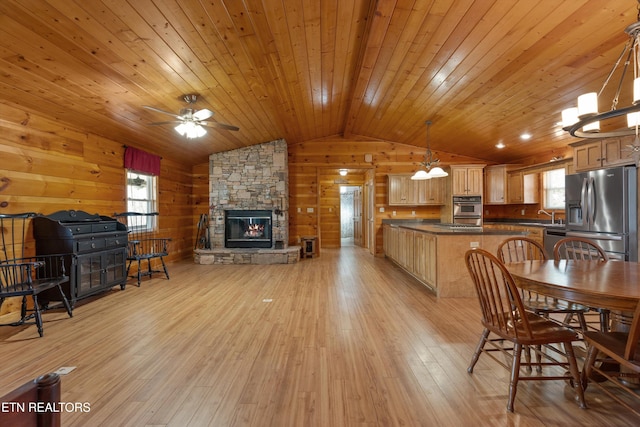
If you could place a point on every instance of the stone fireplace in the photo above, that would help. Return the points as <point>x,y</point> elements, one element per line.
<point>254,178</point>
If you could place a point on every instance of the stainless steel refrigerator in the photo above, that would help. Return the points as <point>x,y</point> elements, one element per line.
<point>602,206</point>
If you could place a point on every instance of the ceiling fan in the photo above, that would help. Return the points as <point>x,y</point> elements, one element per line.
<point>189,121</point>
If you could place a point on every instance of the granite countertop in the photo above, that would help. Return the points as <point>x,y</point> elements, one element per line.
<point>542,224</point>
<point>435,227</point>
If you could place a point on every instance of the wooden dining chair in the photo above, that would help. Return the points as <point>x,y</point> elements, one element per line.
<point>617,350</point>
<point>581,249</point>
<point>519,249</point>
<point>504,316</point>
<point>578,249</point>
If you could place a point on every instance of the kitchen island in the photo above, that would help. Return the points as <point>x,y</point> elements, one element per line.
<point>433,253</point>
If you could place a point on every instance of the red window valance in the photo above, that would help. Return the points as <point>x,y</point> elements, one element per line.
<point>141,161</point>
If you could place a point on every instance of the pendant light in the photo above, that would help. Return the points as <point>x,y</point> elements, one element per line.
<point>431,169</point>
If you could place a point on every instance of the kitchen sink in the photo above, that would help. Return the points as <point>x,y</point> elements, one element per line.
<point>543,224</point>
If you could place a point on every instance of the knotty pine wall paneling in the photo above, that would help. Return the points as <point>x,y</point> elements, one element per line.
<point>46,166</point>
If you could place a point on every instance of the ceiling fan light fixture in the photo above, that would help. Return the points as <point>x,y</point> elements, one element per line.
<point>190,130</point>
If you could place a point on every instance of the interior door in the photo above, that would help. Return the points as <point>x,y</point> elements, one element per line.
<point>357,216</point>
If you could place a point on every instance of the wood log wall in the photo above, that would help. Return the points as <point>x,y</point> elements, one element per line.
<point>46,166</point>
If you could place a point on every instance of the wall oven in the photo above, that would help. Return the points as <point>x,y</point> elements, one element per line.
<point>467,210</point>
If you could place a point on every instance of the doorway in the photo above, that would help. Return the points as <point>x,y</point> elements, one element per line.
<point>350,215</point>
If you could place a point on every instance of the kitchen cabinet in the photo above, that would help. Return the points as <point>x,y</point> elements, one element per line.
<point>497,184</point>
<point>424,265</point>
<point>402,190</point>
<point>414,251</point>
<point>590,155</point>
<point>523,188</point>
<point>390,241</point>
<point>405,248</point>
<point>467,180</point>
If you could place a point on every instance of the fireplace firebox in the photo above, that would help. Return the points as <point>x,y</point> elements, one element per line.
<point>247,229</point>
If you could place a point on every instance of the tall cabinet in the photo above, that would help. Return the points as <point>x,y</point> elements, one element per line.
<point>95,249</point>
<point>463,180</point>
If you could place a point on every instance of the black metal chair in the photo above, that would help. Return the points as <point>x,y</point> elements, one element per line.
<point>27,276</point>
<point>144,243</point>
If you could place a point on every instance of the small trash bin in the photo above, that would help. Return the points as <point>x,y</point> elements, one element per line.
<point>308,246</point>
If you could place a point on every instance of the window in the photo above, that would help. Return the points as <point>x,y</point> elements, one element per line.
<point>142,195</point>
<point>553,189</point>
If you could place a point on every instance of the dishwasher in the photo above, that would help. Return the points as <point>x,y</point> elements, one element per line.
<point>551,236</point>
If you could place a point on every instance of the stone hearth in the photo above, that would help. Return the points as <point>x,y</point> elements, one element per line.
<point>290,255</point>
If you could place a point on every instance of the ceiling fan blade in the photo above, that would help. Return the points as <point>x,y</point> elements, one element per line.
<point>159,110</point>
<point>219,125</point>
<point>203,114</point>
<point>172,122</point>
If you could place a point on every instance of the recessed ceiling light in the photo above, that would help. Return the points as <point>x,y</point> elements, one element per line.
<point>525,136</point>
<point>500,145</point>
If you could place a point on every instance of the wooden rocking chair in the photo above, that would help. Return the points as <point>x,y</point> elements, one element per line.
<point>144,244</point>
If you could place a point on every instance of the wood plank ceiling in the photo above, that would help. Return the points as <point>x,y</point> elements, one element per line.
<point>484,71</point>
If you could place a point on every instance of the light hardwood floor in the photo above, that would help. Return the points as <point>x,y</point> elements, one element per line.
<point>343,339</point>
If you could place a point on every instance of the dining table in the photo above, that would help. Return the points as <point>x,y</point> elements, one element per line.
<point>612,285</point>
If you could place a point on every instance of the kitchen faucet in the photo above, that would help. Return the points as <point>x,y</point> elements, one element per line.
<point>552,215</point>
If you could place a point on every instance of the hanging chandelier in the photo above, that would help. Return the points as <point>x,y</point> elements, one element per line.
<point>584,120</point>
<point>431,170</point>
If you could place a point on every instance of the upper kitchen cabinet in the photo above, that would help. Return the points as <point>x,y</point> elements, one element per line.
<point>506,184</point>
<point>467,180</point>
<point>590,155</point>
<point>402,190</point>
<point>523,188</point>
<point>497,184</point>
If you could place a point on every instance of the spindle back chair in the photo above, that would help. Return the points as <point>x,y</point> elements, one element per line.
<point>144,243</point>
<point>23,275</point>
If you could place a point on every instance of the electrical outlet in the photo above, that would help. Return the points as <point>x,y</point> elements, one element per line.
<point>474,244</point>
<point>299,210</point>
<point>393,213</point>
<point>309,210</point>
<point>413,213</point>
<point>65,370</point>
<point>522,212</point>
<point>382,209</point>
